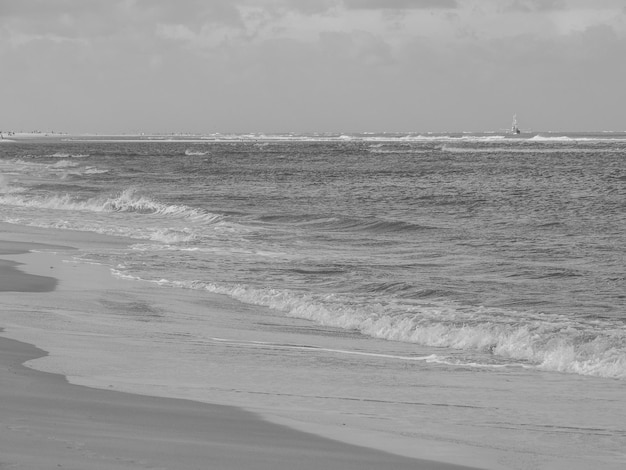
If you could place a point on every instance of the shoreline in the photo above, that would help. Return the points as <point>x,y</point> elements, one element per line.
<point>14,280</point>
<point>80,427</point>
<point>83,427</point>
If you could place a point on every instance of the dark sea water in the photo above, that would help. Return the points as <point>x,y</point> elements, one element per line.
<point>509,250</point>
<point>451,291</point>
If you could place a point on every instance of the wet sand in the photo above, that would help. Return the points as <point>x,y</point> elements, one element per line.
<point>46,422</point>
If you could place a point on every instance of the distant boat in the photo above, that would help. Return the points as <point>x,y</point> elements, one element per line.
<point>514,128</point>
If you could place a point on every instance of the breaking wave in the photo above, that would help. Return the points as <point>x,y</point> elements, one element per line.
<point>195,153</point>
<point>65,164</point>
<point>545,342</point>
<point>524,150</point>
<point>91,170</point>
<point>68,155</point>
<point>126,201</point>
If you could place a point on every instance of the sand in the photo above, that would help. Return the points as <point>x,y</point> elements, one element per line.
<point>12,279</point>
<point>46,422</point>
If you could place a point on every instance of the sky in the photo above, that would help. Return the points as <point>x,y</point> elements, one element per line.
<point>269,66</point>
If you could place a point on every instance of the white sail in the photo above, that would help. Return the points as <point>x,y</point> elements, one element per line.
<point>514,127</point>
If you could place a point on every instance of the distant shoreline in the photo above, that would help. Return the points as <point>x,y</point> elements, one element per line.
<point>371,137</point>
<point>30,136</point>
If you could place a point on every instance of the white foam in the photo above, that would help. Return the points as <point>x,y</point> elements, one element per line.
<point>126,201</point>
<point>545,343</point>
<point>172,236</point>
<point>302,347</point>
<point>526,150</point>
<point>193,153</point>
<point>64,164</point>
<point>67,155</point>
<point>94,171</point>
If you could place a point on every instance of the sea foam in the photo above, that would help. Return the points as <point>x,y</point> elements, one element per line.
<point>540,341</point>
<point>128,200</point>
<point>195,153</point>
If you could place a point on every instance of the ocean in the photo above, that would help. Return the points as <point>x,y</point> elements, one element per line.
<point>464,288</point>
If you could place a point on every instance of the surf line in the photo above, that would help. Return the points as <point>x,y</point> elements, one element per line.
<point>304,347</point>
<point>432,358</point>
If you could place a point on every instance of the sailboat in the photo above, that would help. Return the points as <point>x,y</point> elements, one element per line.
<point>514,128</point>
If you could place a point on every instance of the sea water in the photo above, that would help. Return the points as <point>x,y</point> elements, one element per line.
<point>464,289</point>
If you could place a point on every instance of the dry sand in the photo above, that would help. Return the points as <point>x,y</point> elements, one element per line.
<point>46,422</point>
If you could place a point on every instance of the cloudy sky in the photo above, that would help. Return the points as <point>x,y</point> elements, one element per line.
<point>312,65</point>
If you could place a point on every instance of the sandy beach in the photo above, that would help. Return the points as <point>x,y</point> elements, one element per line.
<point>46,422</point>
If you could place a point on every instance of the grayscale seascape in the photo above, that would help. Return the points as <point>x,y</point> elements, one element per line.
<point>313,234</point>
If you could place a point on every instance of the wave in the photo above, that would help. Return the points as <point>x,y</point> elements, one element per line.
<point>575,138</point>
<point>126,201</point>
<point>162,236</point>
<point>74,168</point>
<point>65,164</point>
<point>375,226</point>
<point>456,138</point>
<point>168,239</point>
<point>432,358</point>
<point>63,168</point>
<point>130,201</point>
<point>7,188</point>
<point>526,150</point>
<point>21,164</point>
<point>541,138</point>
<point>91,170</point>
<point>356,137</point>
<point>194,153</point>
<point>370,225</point>
<point>544,342</point>
<point>67,155</point>
<point>383,151</point>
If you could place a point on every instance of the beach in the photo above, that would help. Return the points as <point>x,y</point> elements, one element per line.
<point>46,422</point>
